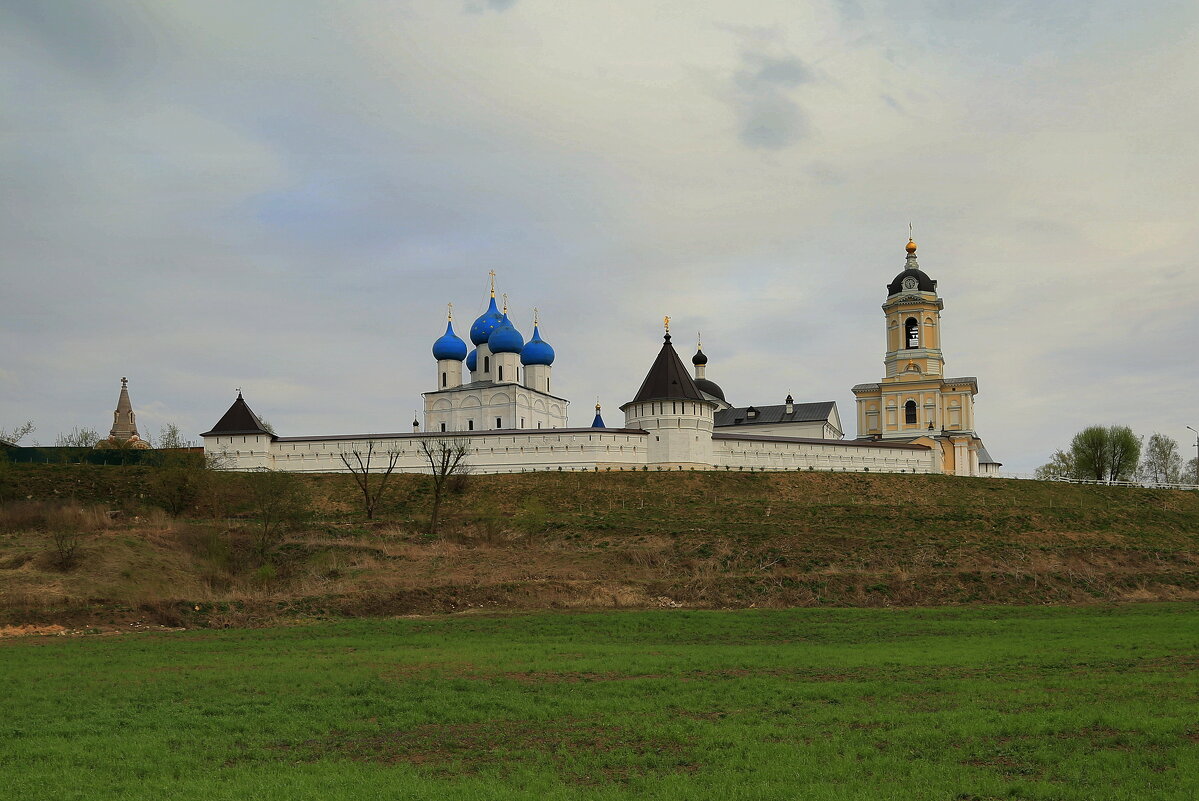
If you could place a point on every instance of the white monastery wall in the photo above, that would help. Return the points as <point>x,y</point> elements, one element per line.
<point>782,454</point>
<point>494,452</point>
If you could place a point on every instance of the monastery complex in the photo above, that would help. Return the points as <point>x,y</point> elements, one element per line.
<point>503,407</point>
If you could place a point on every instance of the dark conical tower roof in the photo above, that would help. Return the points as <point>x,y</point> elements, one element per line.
<point>240,419</point>
<point>668,379</point>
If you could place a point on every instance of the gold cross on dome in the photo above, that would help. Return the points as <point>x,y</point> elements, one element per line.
<point>666,322</point>
<point>505,303</point>
<point>449,311</point>
<point>492,274</point>
<point>536,314</point>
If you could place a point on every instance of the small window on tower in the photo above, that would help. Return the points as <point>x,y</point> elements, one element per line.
<point>912,329</point>
<point>499,369</point>
<point>487,364</point>
<point>443,379</point>
<point>470,425</point>
<point>909,413</point>
<point>499,422</point>
<point>443,426</point>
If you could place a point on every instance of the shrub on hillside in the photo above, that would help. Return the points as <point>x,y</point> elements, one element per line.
<point>277,501</point>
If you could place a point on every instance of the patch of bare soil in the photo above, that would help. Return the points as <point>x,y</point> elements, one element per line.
<point>471,747</point>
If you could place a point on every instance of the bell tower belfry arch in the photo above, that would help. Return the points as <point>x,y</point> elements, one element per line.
<point>914,399</point>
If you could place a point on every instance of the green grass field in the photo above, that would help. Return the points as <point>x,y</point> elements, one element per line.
<point>967,703</point>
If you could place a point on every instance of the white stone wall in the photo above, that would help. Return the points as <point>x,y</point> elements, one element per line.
<point>748,452</point>
<point>497,406</point>
<point>574,449</point>
<point>679,431</point>
<point>512,452</point>
<point>449,373</point>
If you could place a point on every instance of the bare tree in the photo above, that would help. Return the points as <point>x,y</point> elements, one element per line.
<point>171,438</point>
<point>447,458</point>
<point>18,433</point>
<point>1161,463</point>
<point>279,500</point>
<point>361,463</point>
<point>78,438</point>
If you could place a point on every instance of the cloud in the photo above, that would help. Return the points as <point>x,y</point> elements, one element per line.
<point>768,115</point>
<point>481,6</point>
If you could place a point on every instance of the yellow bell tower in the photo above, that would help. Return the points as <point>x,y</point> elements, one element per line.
<point>914,399</point>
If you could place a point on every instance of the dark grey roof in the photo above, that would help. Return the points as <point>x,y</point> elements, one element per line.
<point>667,379</point>
<point>852,443</point>
<point>803,413</point>
<point>240,419</point>
<point>984,457</point>
<point>710,387</point>
<point>497,432</point>
<point>912,269</point>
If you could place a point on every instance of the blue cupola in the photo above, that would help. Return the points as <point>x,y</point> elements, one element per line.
<point>537,351</point>
<point>504,337</point>
<point>598,422</point>
<point>472,360</point>
<point>488,321</point>
<point>449,345</point>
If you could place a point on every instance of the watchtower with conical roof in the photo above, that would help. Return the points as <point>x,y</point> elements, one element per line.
<point>674,412</point>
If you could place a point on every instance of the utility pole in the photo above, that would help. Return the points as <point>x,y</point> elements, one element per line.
<point>1196,454</point>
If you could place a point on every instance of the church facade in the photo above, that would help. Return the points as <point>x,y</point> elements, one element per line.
<point>497,398</point>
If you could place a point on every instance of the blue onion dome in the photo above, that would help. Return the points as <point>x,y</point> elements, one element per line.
<point>472,360</point>
<point>505,338</point>
<point>488,321</point>
<point>538,351</point>
<point>449,345</point>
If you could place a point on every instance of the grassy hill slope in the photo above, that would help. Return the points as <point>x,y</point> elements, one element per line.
<point>587,540</point>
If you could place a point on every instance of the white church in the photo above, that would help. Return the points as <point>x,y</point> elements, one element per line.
<point>504,408</point>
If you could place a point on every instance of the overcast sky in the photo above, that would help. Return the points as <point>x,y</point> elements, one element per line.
<point>283,196</point>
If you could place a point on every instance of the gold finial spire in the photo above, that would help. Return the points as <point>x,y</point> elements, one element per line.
<point>449,311</point>
<point>536,316</point>
<point>911,246</point>
<point>666,322</point>
<point>699,340</point>
<point>505,303</point>
<point>597,406</point>
<point>492,274</point>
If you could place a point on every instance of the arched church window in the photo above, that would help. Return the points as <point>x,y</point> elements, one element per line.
<point>443,426</point>
<point>500,371</point>
<point>487,364</point>
<point>909,412</point>
<point>443,379</point>
<point>912,332</point>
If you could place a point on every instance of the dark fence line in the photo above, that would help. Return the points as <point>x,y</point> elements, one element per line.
<point>104,456</point>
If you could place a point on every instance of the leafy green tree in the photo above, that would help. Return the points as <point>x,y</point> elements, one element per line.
<point>1090,452</point>
<point>1190,474</point>
<point>1060,465</point>
<point>1161,462</point>
<point>1124,453</point>
<point>1105,453</point>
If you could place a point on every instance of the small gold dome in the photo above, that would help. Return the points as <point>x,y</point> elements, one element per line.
<point>911,247</point>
